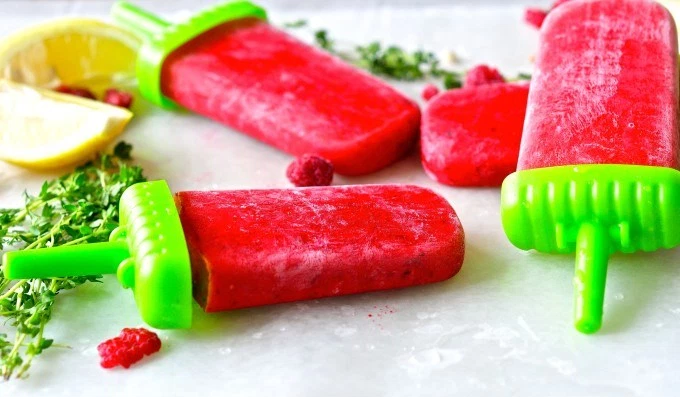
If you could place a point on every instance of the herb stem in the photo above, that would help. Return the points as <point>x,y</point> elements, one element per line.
<point>7,370</point>
<point>79,207</point>
<point>13,289</point>
<point>46,236</point>
<point>37,342</point>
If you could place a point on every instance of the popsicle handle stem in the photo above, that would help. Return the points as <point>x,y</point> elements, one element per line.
<point>138,20</point>
<point>69,261</point>
<point>592,255</point>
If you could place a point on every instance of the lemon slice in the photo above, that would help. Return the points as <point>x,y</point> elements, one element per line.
<point>42,129</point>
<point>72,51</point>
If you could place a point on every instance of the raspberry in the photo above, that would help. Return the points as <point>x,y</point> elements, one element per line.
<point>535,17</point>
<point>77,91</point>
<point>429,91</point>
<point>129,347</point>
<point>310,170</point>
<point>482,75</point>
<point>118,98</point>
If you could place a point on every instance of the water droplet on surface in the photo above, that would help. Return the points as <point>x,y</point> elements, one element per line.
<point>90,351</point>
<point>258,335</point>
<point>422,315</point>
<point>224,350</point>
<point>345,331</point>
<point>426,357</point>
<point>436,358</point>
<point>562,366</point>
<point>618,297</point>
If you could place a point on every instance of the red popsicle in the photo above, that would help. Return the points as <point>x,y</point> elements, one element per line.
<point>471,136</point>
<point>597,165</point>
<point>258,247</point>
<point>258,79</point>
<point>605,88</point>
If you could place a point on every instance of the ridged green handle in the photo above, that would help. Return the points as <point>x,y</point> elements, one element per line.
<point>592,210</point>
<point>161,38</point>
<point>147,252</point>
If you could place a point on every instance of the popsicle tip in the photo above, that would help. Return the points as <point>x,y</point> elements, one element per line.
<point>588,325</point>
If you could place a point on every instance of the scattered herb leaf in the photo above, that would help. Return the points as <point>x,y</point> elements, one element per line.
<point>300,23</point>
<point>395,62</point>
<point>79,207</point>
<point>523,76</point>
<point>321,39</point>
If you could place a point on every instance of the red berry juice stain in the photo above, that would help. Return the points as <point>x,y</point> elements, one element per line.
<point>382,311</point>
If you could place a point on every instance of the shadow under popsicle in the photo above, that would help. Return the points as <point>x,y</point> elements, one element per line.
<point>638,277</point>
<point>479,267</point>
<point>633,284</point>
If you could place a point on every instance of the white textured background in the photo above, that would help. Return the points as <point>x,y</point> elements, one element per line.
<point>502,326</point>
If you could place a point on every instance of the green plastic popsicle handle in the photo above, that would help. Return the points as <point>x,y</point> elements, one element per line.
<point>148,253</point>
<point>160,38</point>
<point>593,211</point>
<point>97,258</point>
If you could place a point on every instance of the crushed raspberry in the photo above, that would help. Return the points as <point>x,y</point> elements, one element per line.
<point>429,91</point>
<point>129,347</point>
<point>558,3</point>
<point>535,17</point>
<point>77,91</point>
<point>310,170</point>
<point>118,98</point>
<point>482,75</point>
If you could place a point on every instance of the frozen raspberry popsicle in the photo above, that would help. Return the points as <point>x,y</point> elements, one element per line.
<point>471,136</point>
<point>257,247</point>
<point>228,64</point>
<point>597,165</point>
<point>289,245</point>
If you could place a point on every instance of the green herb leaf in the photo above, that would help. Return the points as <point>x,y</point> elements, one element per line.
<point>393,61</point>
<point>79,207</point>
<point>122,150</point>
<point>321,39</point>
<point>523,76</point>
<point>295,24</point>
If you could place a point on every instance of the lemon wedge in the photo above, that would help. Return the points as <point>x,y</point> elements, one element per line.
<point>42,129</point>
<point>72,51</point>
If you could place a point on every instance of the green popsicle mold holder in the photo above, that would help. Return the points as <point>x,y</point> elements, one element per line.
<point>148,253</point>
<point>160,38</point>
<point>593,211</point>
